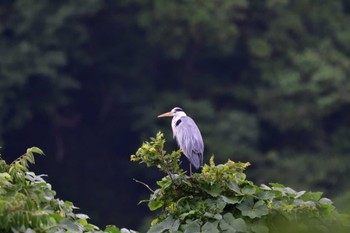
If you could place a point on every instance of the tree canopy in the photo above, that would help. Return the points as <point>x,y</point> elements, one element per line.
<point>266,81</point>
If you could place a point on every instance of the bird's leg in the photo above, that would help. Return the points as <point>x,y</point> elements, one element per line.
<point>190,170</point>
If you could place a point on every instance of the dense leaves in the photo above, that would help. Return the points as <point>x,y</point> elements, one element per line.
<point>152,153</point>
<point>221,199</point>
<point>266,82</point>
<point>28,203</point>
<point>36,38</point>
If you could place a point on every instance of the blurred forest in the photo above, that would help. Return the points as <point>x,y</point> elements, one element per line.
<point>266,81</point>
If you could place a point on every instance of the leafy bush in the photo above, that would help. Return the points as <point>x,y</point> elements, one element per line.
<point>28,203</point>
<point>221,199</point>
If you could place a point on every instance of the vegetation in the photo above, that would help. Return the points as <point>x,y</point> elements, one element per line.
<point>221,199</point>
<point>266,82</point>
<point>28,203</point>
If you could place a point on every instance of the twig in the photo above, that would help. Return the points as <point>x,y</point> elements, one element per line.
<point>146,185</point>
<point>18,159</point>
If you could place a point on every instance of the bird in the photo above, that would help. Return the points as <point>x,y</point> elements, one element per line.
<point>187,135</point>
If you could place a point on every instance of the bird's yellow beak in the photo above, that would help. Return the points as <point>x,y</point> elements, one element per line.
<point>167,114</point>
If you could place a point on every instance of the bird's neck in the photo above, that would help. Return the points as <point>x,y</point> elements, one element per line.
<point>176,117</point>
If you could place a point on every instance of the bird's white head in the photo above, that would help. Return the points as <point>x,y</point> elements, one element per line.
<point>175,112</point>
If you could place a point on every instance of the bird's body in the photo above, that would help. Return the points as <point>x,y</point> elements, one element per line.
<point>187,135</point>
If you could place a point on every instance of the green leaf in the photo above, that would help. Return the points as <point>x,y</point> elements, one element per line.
<point>213,190</point>
<point>326,201</point>
<point>213,216</point>
<point>82,216</point>
<point>248,190</point>
<point>112,229</point>
<point>266,195</point>
<point>155,204</point>
<point>231,225</point>
<point>299,194</point>
<point>71,226</point>
<point>265,187</point>
<point>210,227</point>
<point>5,176</point>
<point>169,224</point>
<point>251,209</point>
<point>289,190</point>
<point>158,228</point>
<point>184,215</point>
<point>124,230</point>
<point>192,227</point>
<point>313,196</point>
<point>36,150</point>
<point>230,200</point>
<point>277,185</point>
<point>234,187</point>
<point>175,226</point>
<point>56,217</point>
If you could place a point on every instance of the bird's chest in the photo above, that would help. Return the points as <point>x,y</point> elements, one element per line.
<point>175,124</point>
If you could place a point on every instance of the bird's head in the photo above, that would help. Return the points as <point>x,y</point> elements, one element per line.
<point>174,112</point>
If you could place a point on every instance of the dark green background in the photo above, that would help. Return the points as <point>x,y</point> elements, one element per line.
<point>266,81</point>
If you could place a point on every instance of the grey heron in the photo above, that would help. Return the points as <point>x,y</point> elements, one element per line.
<point>187,135</point>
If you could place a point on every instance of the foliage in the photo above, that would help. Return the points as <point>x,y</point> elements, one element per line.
<point>152,154</point>
<point>305,82</point>
<point>28,203</point>
<point>37,38</point>
<point>221,199</point>
<point>266,81</point>
<point>193,27</point>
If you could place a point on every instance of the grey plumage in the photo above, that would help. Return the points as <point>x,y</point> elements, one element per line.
<point>187,135</point>
<point>190,140</point>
